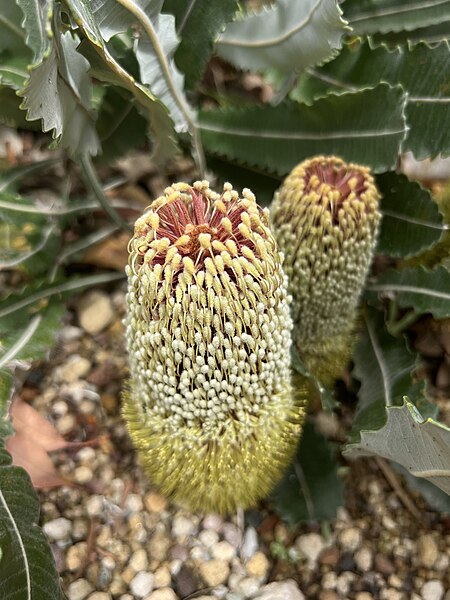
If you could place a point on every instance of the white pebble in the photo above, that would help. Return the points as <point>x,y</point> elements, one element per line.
<point>58,529</point>
<point>182,527</point>
<point>134,503</point>
<point>142,584</point>
<point>94,505</point>
<point>208,537</point>
<point>432,590</point>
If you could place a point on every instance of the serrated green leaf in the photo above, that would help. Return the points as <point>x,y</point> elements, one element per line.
<point>197,25</point>
<point>158,70</point>
<point>59,93</point>
<point>436,499</point>
<point>411,219</point>
<point>433,34</point>
<point>107,69</point>
<point>371,16</point>
<point>37,15</point>
<point>311,489</point>
<point>290,36</point>
<point>12,35</point>
<point>277,138</point>
<point>27,568</point>
<point>384,365</point>
<point>420,445</point>
<point>422,71</point>
<point>13,72</point>
<point>424,290</point>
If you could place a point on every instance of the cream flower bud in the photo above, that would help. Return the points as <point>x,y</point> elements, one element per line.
<point>210,406</point>
<point>325,218</point>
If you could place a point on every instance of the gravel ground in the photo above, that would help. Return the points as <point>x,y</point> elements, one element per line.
<point>114,536</point>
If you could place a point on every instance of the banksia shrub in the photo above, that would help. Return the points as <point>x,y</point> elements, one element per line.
<point>325,218</point>
<point>210,405</point>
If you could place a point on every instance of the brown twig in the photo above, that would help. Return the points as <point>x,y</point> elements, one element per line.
<point>394,482</point>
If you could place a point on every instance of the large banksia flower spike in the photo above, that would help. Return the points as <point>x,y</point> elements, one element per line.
<point>325,218</point>
<point>210,405</point>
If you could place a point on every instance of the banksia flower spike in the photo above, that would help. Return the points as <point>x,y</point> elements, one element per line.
<point>325,218</point>
<point>210,405</point>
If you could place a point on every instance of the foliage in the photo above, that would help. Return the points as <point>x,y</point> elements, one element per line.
<point>363,79</point>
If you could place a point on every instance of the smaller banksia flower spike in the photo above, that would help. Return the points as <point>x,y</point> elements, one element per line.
<point>325,218</point>
<point>210,406</point>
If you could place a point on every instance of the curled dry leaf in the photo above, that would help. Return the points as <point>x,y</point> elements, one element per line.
<point>34,437</point>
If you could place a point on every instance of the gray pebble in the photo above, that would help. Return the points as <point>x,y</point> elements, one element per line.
<point>249,543</point>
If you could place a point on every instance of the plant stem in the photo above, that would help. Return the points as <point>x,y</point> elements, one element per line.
<point>94,184</point>
<point>399,326</point>
<point>147,25</point>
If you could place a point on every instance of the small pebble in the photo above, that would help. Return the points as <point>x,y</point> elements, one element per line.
<point>162,577</point>
<point>100,596</point>
<point>248,587</point>
<point>58,529</point>
<point>232,534</point>
<point>182,527</point>
<point>76,556</point>
<point>258,565</point>
<point>139,561</point>
<point>427,550</point>
<point>310,545</point>
<point>249,543</point>
<point>95,311</point>
<point>134,503</point>
<point>83,474</point>
<point>66,424</point>
<point>214,572</point>
<point>223,550</point>
<point>432,590</point>
<point>79,589</point>
<point>86,455</point>
<point>142,584</point>
<point>213,521</point>
<point>364,559</point>
<point>163,594</point>
<point>158,546</point>
<point>208,537</point>
<point>281,590</point>
<point>350,539</point>
<point>155,502</point>
<point>95,505</point>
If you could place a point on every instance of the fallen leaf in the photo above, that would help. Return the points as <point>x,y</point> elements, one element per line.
<point>32,425</point>
<point>34,436</point>
<point>35,460</point>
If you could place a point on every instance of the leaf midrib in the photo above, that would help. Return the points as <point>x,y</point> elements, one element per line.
<point>20,542</point>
